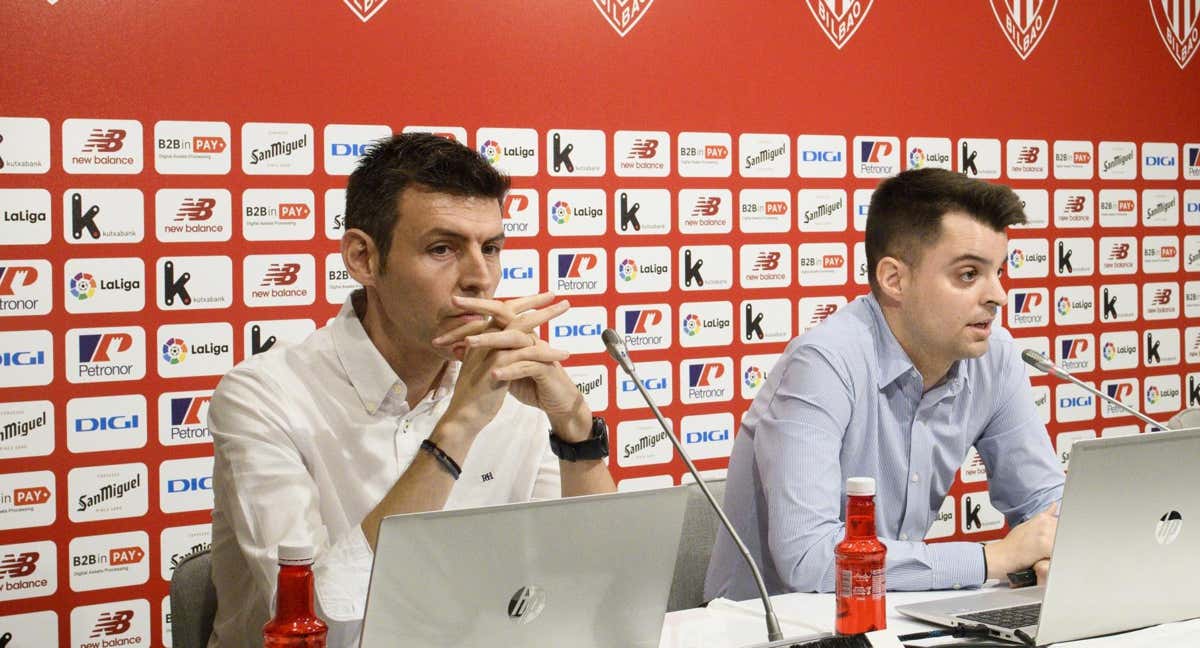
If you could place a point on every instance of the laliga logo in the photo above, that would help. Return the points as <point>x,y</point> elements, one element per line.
<point>628,270</point>
<point>1017,258</point>
<point>692,325</point>
<point>83,286</point>
<point>1024,22</point>
<point>561,212</point>
<point>174,351</point>
<point>839,19</point>
<point>1176,23</point>
<point>752,377</point>
<point>1064,306</point>
<point>1152,395</point>
<point>490,150</point>
<point>916,158</point>
<point>365,9</point>
<point>623,15</point>
<point>1110,351</point>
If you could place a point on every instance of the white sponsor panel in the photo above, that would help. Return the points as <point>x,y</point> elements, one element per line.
<point>1160,300</point>
<point>104,285</point>
<point>192,148</point>
<point>183,417</point>
<point>643,443</point>
<point>862,208</point>
<point>973,469</point>
<point>193,215</point>
<point>764,321</point>
<point>821,210</point>
<point>642,269</point>
<point>765,266</point>
<point>1028,258</point>
<point>1064,440</point>
<point>876,156</point>
<point>1191,299</point>
<point>707,475</point>
<point>1118,255</point>
<point>278,214</point>
<point>26,287</point>
<point>521,213</point>
<point>978,515</point>
<point>277,149</point>
<point>705,155</point>
<point>1120,431</point>
<point>821,264</point>
<point>107,492</point>
<point>1161,347</point>
<point>511,150</point>
<point>1040,345</point>
<point>705,211</point>
<point>106,354</point>
<point>346,144</point>
<point>25,147</point>
<point>1162,394</point>
<point>1118,208</point>
<point>1191,348</point>
<point>1074,208</point>
<point>1126,391</point>
<point>656,378</point>
<point>1028,307</point>
<point>706,380</point>
<point>102,146</point>
<point>103,423</point>
<point>204,349</point>
<point>27,358</point>
<point>576,152</point>
<point>177,543</point>
<point>707,436</point>
<point>644,154</point>
<point>520,273</point>
<point>591,381</point>
<point>194,282</point>
<point>116,623</point>
<point>25,215</point>
<point>1073,403</point>
<point>1191,161</point>
<point>30,571</point>
<point>335,214</point>
<point>764,155</point>
<point>1036,204</point>
<point>260,336</point>
<point>1120,350</point>
<point>860,263</point>
<point>1160,161</point>
<point>338,282</point>
<point>764,210</point>
<point>1073,257</point>
<point>110,560</point>
<point>811,311</point>
<point>1074,305</point>
<point>1160,208</point>
<point>645,483</point>
<point>641,211</point>
<point>578,330</point>
<point>943,524</point>
<point>754,371</point>
<point>578,271</point>
<point>928,153</point>
<point>705,324</point>
<point>576,212</point>
<point>1073,160</point>
<point>99,216</point>
<point>1041,401</point>
<point>27,499</point>
<point>979,158</point>
<point>26,429</point>
<point>185,485</point>
<point>1028,159</point>
<point>645,326</point>
<point>1160,254</point>
<point>1076,353</point>
<point>821,156</point>
<point>279,280</point>
<point>705,267</point>
<point>1191,253</point>
<point>31,630</point>
<point>1118,161</point>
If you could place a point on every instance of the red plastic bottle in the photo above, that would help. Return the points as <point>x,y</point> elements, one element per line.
<point>861,585</point>
<point>295,625</point>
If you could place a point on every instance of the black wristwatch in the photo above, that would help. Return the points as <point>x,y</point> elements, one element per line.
<point>595,447</point>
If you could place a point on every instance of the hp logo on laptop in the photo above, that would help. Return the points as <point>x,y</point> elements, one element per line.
<point>526,604</point>
<point>1169,526</point>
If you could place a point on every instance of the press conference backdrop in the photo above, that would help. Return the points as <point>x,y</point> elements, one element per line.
<point>693,174</point>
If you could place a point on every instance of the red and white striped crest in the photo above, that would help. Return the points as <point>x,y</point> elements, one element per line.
<point>839,19</point>
<point>365,9</point>
<point>622,15</point>
<point>1024,22</point>
<point>1176,22</point>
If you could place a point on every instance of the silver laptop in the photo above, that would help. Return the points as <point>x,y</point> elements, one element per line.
<point>1125,554</point>
<point>589,571</point>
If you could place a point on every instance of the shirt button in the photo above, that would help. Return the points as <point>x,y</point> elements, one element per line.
<point>904,536</point>
<point>916,478</point>
<point>957,586</point>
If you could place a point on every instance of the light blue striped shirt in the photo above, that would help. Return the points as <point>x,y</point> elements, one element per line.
<point>845,400</point>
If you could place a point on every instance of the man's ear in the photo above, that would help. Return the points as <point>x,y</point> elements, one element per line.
<point>360,256</point>
<point>891,274</point>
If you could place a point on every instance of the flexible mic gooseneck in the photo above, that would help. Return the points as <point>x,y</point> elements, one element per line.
<point>1039,362</point>
<point>616,348</point>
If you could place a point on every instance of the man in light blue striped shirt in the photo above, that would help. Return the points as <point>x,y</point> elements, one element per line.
<point>898,385</point>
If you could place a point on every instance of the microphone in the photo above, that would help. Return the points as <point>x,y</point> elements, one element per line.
<point>1037,361</point>
<point>616,348</point>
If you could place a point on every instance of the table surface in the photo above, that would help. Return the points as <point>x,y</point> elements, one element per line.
<point>730,624</point>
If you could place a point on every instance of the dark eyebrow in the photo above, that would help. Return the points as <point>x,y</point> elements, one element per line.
<point>970,257</point>
<point>441,232</point>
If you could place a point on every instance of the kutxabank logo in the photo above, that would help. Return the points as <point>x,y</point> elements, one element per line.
<point>1024,22</point>
<point>365,9</point>
<point>839,19</point>
<point>1176,22</point>
<point>623,15</point>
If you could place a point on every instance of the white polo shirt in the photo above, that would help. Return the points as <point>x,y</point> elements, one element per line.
<point>307,440</point>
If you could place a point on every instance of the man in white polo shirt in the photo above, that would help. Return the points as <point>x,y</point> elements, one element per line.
<point>423,393</point>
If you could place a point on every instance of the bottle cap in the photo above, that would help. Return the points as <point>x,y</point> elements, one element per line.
<point>860,486</point>
<point>290,554</point>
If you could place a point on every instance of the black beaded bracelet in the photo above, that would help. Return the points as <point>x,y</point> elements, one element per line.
<point>449,464</point>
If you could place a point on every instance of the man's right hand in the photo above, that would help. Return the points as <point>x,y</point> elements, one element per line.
<point>1028,543</point>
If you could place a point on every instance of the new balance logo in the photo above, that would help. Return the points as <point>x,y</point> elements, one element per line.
<point>81,220</point>
<point>562,156</point>
<point>195,209</point>
<point>628,214</point>
<point>19,565</point>
<point>173,287</point>
<point>1075,204</point>
<point>1162,296</point>
<point>104,140</point>
<point>279,274</point>
<point>112,623</point>
<point>1028,154</point>
<point>643,149</point>
<point>707,206</point>
<point>766,261</point>
<point>822,312</point>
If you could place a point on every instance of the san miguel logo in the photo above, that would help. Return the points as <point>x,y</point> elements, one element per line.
<point>839,18</point>
<point>1176,22</point>
<point>1024,22</point>
<point>365,9</point>
<point>623,15</point>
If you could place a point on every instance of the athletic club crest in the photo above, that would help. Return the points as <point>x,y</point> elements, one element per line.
<point>1176,22</point>
<point>365,9</point>
<point>622,15</point>
<point>839,18</point>
<point>1024,22</point>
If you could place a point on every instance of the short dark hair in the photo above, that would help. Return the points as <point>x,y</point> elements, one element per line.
<point>422,160</point>
<point>906,212</point>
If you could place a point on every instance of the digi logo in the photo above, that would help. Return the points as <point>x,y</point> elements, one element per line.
<point>104,140</point>
<point>187,410</point>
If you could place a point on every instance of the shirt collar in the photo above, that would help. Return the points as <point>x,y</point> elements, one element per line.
<point>372,377</point>
<point>893,359</point>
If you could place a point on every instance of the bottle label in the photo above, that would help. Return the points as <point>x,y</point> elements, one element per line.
<point>861,583</point>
